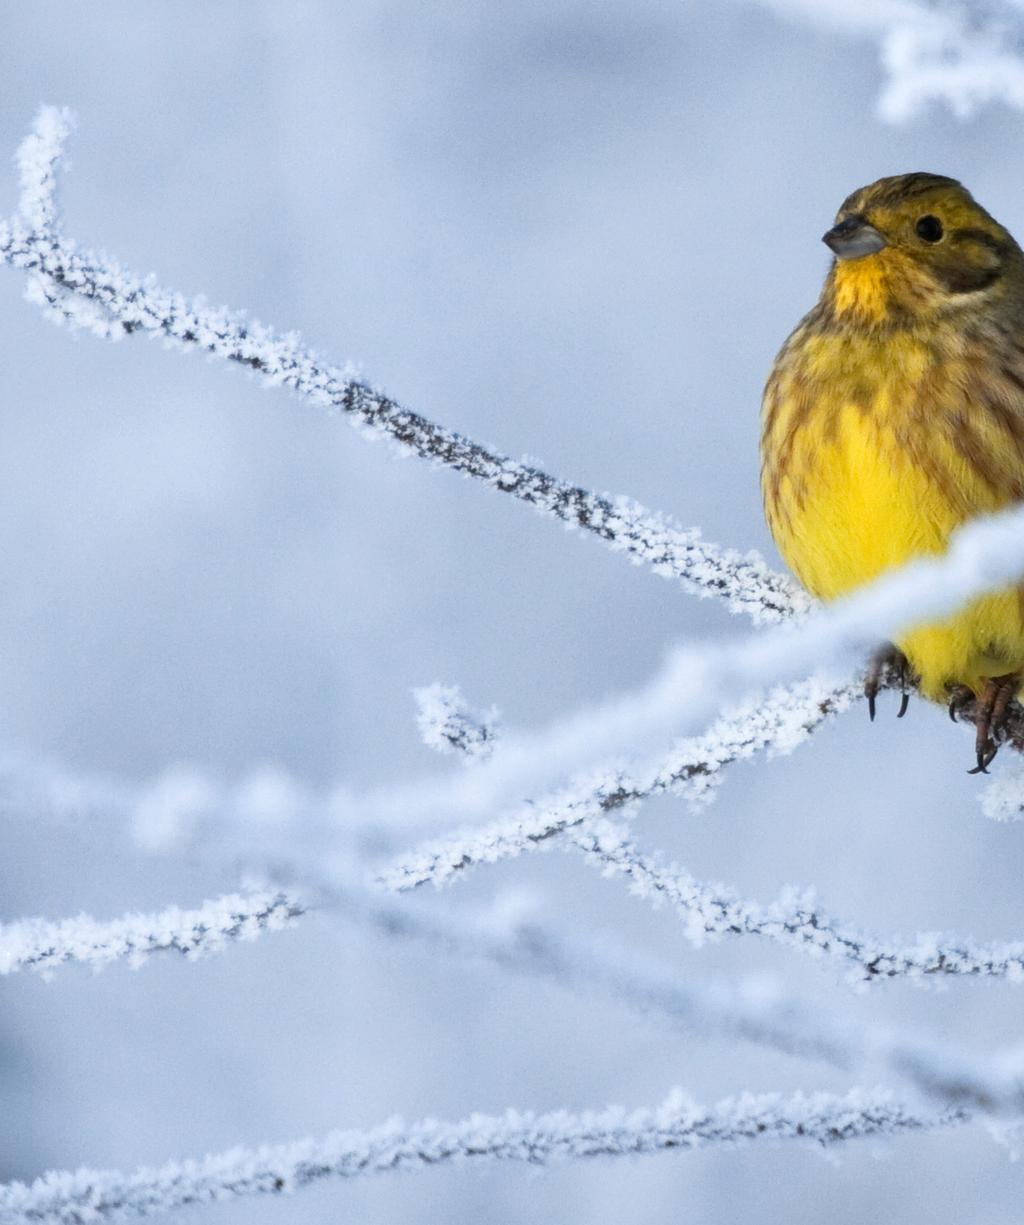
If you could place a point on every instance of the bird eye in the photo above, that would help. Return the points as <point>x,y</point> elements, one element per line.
<point>929,228</point>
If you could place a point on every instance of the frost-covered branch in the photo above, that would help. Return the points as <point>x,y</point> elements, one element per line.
<point>508,938</point>
<point>692,768</point>
<point>37,158</point>
<point>712,910</point>
<point>965,55</point>
<point>267,822</point>
<point>505,936</point>
<point>449,725</point>
<point>94,292</point>
<point>983,555</point>
<point>41,945</point>
<point>795,920</point>
<point>75,1197</point>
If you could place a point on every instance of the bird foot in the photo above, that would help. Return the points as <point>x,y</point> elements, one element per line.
<point>992,707</point>
<point>888,659</point>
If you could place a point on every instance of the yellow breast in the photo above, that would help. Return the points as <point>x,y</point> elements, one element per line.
<point>871,457</point>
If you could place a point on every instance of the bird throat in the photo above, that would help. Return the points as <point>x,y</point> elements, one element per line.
<point>867,289</point>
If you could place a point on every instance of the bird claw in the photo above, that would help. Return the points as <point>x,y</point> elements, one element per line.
<point>959,697</point>
<point>887,658</point>
<point>992,707</point>
<point>985,757</point>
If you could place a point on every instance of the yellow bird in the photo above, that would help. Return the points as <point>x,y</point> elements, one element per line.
<point>895,412</point>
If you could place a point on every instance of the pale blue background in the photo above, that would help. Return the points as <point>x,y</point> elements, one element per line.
<point>576,230</point>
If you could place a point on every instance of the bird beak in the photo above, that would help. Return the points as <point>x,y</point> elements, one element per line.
<point>853,237</point>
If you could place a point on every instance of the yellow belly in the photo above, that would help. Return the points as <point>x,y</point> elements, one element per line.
<point>854,501</point>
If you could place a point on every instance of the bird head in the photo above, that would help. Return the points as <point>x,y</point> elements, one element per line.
<point>916,245</point>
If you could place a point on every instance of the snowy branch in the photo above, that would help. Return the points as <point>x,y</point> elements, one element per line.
<point>503,936</point>
<point>41,945</point>
<point>713,910</point>
<point>449,725</point>
<point>794,920</point>
<point>37,158</point>
<point>267,822</point>
<point>73,1198</point>
<point>983,555</point>
<point>965,55</point>
<point>95,293</point>
<point>693,767</point>
<point>506,938</point>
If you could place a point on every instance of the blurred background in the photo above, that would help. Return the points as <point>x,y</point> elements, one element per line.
<point>578,231</point>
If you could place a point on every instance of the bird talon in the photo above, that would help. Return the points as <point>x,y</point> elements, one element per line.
<point>991,718</point>
<point>885,665</point>
<point>959,697</point>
